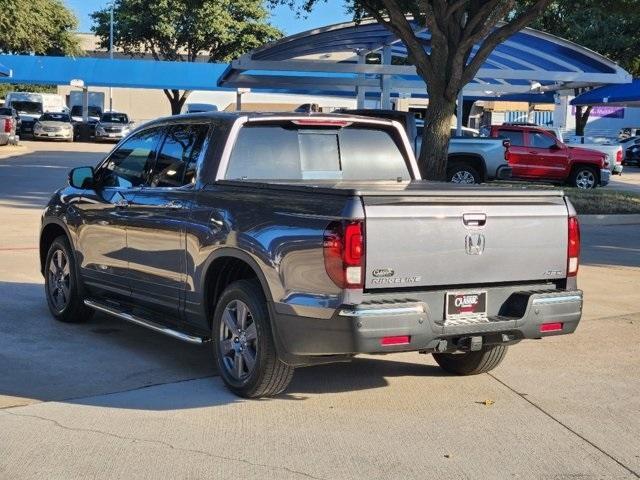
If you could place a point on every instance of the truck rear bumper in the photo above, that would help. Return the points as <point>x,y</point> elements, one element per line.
<point>504,172</point>
<point>605,177</point>
<point>409,326</point>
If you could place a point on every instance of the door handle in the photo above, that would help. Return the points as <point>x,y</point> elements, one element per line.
<point>474,219</point>
<point>173,205</point>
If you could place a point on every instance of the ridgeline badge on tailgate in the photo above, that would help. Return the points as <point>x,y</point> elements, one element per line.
<point>385,276</point>
<point>383,272</point>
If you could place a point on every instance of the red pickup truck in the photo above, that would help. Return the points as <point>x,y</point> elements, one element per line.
<point>536,154</point>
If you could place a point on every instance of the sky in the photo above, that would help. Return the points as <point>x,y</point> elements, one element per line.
<point>282,17</point>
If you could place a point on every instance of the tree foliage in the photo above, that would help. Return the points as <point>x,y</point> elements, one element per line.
<point>41,27</point>
<point>448,61</point>
<point>184,30</point>
<point>609,27</point>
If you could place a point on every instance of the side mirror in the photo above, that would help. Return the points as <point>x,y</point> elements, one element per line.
<point>82,177</point>
<point>556,146</point>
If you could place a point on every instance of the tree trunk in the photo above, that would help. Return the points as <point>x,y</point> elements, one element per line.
<point>176,99</point>
<point>432,160</point>
<point>582,116</point>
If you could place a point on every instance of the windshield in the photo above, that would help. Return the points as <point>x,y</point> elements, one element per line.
<point>28,107</point>
<point>94,111</point>
<point>285,152</point>
<point>55,117</point>
<point>114,118</point>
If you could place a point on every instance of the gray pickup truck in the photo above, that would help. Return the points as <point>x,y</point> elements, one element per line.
<point>286,240</point>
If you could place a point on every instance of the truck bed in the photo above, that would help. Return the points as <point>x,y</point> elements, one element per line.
<point>414,188</point>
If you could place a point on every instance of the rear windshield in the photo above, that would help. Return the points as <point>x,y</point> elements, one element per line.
<point>55,117</point>
<point>27,107</point>
<point>94,111</point>
<point>284,152</point>
<point>114,118</point>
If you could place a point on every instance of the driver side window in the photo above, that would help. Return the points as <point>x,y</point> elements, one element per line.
<point>541,140</point>
<point>130,164</point>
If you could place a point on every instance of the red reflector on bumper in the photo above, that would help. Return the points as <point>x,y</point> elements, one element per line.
<point>551,327</point>
<point>402,340</point>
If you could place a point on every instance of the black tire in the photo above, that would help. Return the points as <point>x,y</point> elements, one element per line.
<point>584,178</point>
<point>269,375</point>
<point>462,173</point>
<point>68,304</point>
<point>472,363</point>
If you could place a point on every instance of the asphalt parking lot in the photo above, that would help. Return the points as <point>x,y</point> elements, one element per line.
<point>111,400</point>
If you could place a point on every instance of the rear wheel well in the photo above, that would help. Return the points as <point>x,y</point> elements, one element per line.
<point>222,273</point>
<point>474,161</point>
<point>48,235</point>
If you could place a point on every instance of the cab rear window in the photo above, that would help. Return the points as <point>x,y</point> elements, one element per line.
<point>290,152</point>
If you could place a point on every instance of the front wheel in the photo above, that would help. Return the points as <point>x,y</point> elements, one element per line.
<point>472,363</point>
<point>463,174</point>
<point>62,284</point>
<point>584,178</point>
<point>243,343</point>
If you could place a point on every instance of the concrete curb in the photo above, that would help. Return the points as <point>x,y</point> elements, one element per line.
<point>631,219</point>
<point>8,151</point>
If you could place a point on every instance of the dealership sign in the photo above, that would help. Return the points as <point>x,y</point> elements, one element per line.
<point>604,112</point>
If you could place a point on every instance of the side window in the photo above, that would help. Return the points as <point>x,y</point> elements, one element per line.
<point>178,157</point>
<point>541,140</point>
<point>131,163</point>
<point>516,137</point>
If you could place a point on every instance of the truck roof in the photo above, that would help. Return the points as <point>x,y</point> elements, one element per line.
<point>258,116</point>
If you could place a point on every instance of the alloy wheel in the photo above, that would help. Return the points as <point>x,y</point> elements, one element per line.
<point>463,177</point>
<point>59,281</point>
<point>238,340</point>
<point>585,179</point>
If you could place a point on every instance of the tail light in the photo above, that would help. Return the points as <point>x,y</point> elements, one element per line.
<point>344,253</point>
<point>619,156</point>
<point>7,125</point>
<point>573,248</point>
<point>506,144</point>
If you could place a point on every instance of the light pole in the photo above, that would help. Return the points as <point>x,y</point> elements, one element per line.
<point>111,53</point>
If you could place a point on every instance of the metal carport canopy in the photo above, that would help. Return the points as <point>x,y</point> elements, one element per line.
<point>4,71</point>
<point>332,58</point>
<point>96,72</point>
<point>627,95</point>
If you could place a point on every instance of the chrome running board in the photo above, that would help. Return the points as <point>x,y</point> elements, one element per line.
<point>144,323</point>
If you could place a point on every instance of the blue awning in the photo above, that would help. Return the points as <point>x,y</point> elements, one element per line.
<point>340,58</point>
<point>98,72</point>
<point>624,95</point>
<point>5,71</point>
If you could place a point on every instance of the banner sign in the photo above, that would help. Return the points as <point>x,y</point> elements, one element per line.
<point>603,112</point>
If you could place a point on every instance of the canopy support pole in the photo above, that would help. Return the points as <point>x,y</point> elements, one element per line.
<point>360,90</point>
<point>459,114</point>
<point>385,80</point>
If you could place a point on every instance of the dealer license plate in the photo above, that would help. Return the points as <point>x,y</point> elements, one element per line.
<point>112,135</point>
<point>465,304</point>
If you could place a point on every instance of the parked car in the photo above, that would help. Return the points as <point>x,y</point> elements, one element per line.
<point>631,150</point>
<point>612,150</point>
<point>31,105</point>
<point>288,240</point>
<point>9,125</point>
<point>536,154</point>
<point>113,126</point>
<point>472,159</point>
<point>81,129</point>
<point>632,154</point>
<point>54,126</point>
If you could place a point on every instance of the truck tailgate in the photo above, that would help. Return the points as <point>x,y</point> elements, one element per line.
<point>446,241</point>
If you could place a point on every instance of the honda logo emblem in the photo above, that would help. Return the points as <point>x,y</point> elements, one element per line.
<point>474,244</point>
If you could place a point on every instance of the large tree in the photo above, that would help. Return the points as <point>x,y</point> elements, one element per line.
<point>185,30</point>
<point>448,62</point>
<point>609,27</point>
<point>41,27</point>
